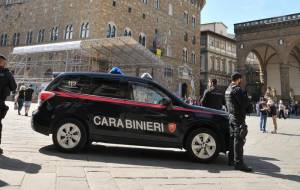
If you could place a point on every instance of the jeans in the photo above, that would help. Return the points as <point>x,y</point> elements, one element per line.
<point>263,122</point>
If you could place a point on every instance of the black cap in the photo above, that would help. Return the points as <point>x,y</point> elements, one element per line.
<point>235,76</point>
<point>3,57</point>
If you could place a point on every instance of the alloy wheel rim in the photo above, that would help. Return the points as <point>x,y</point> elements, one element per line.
<point>204,146</point>
<point>68,136</point>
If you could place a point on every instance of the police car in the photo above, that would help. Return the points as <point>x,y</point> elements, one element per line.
<point>80,108</point>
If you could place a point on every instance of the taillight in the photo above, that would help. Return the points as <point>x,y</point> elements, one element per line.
<point>45,95</point>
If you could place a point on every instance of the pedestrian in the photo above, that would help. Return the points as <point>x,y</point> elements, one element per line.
<point>28,98</point>
<point>273,114</point>
<point>263,108</point>
<point>213,97</point>
<point>237,104</point>
<point>281,109</point>
<point>20,98</point>
<point>7,85</point>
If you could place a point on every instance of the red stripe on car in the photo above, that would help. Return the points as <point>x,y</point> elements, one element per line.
<point>119,101</point>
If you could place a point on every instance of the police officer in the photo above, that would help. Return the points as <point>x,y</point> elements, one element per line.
<point>213,97</point>
<point>237,104</point>
<point>7,84</point>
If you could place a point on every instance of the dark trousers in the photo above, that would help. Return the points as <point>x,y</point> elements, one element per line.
<point>238,133</point>
<point>0,130</point>
<point>281,114</point>
<point>3,111</point>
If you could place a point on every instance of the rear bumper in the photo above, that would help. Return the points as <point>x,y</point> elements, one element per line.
<point>36,125</point>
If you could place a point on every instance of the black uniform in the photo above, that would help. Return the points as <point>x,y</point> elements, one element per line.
<point>237,104</point>
<point>213,98</point>
<point>7,84</point>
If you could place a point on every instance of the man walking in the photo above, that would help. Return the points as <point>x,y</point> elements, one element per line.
<point>7,85</point>
<point>213,97</point>
<point>28,98</point>
<point>237,104</point>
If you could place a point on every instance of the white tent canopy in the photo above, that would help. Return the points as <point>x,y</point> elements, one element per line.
<point>52,47</point>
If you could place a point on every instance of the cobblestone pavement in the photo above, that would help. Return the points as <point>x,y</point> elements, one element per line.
<point>30,162</point>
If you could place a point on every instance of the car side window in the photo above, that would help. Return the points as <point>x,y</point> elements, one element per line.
<point>108,88</point>
<point>75,84</point>
<point>146,94</point>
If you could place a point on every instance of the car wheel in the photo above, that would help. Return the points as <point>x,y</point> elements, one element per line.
<point>203,145</point>
<point>70,135</point>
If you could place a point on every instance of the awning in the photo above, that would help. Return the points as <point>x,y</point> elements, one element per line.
<point>52,47</point>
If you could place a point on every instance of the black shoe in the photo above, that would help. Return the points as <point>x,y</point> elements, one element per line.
<point>26,114</point>
<point>19,113</point>
<point>1,151</point>
<point>243,168</point>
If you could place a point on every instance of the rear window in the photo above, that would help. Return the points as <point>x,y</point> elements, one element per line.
<point>75,84</point>
<point>108,88</point>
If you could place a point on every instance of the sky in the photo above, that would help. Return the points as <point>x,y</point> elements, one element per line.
<point>235,11</point>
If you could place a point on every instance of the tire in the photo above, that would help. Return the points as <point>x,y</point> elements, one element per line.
<point>69,135</point>
<point>201,151</point>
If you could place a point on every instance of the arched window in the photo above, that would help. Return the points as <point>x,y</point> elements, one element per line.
<point>111,30</point>
<point>170,9</point>
<point>54,34</point>
<point>193,58</point>
<point>69,32</point>
<point>85,30</point>
<point>194,22</point>
<point>185,55</point>
<point>142,39</point>
<point>127,32</point>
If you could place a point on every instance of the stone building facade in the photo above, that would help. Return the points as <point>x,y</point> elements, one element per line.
<point>218,54</point>
<point>167,25</point>
<point>276,43</point>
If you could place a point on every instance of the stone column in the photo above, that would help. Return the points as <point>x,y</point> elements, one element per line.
<point>285,81</point>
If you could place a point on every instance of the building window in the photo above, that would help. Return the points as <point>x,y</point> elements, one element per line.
<point>170,9</point>
<point>185,55</point>
<point>185,36</point>
<point>114,3</point>
<point>16,39</point>
<point>127,32</point>
<point>142,39</point>
<point>194,22</point>
<point>168,72</point>
<point>29,38</point>
<point>69,32</point>
<point>41,36</point>
<point>145,1</point>
<point>54,34</point>
<point>193,58</point>
<point>4,40</point>
<point>194,40</point>
<point>169,51</point>
<point>157,4</point>
<point>85,30</point>
<point>129,9</point>
<point>186,17</point>
<point>111,30</point>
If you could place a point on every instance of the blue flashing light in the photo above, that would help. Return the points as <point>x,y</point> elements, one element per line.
<point>116,70</point>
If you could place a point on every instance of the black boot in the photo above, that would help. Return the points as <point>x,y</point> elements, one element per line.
<point>1,151</point>
<point>243,167</point>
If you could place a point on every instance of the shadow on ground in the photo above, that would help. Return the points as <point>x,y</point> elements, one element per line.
<point>7,163</point>
<point>18,165</point>
<point>166,159</point>
<point>3,184</point>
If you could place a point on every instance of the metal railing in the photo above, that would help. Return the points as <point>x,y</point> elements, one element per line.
<point>267,21</point>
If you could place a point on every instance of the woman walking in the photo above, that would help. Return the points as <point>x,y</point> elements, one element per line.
<point>21,98</point>
<point>273,114</point>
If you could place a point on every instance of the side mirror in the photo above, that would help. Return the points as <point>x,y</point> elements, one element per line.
<point>166,102</point>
